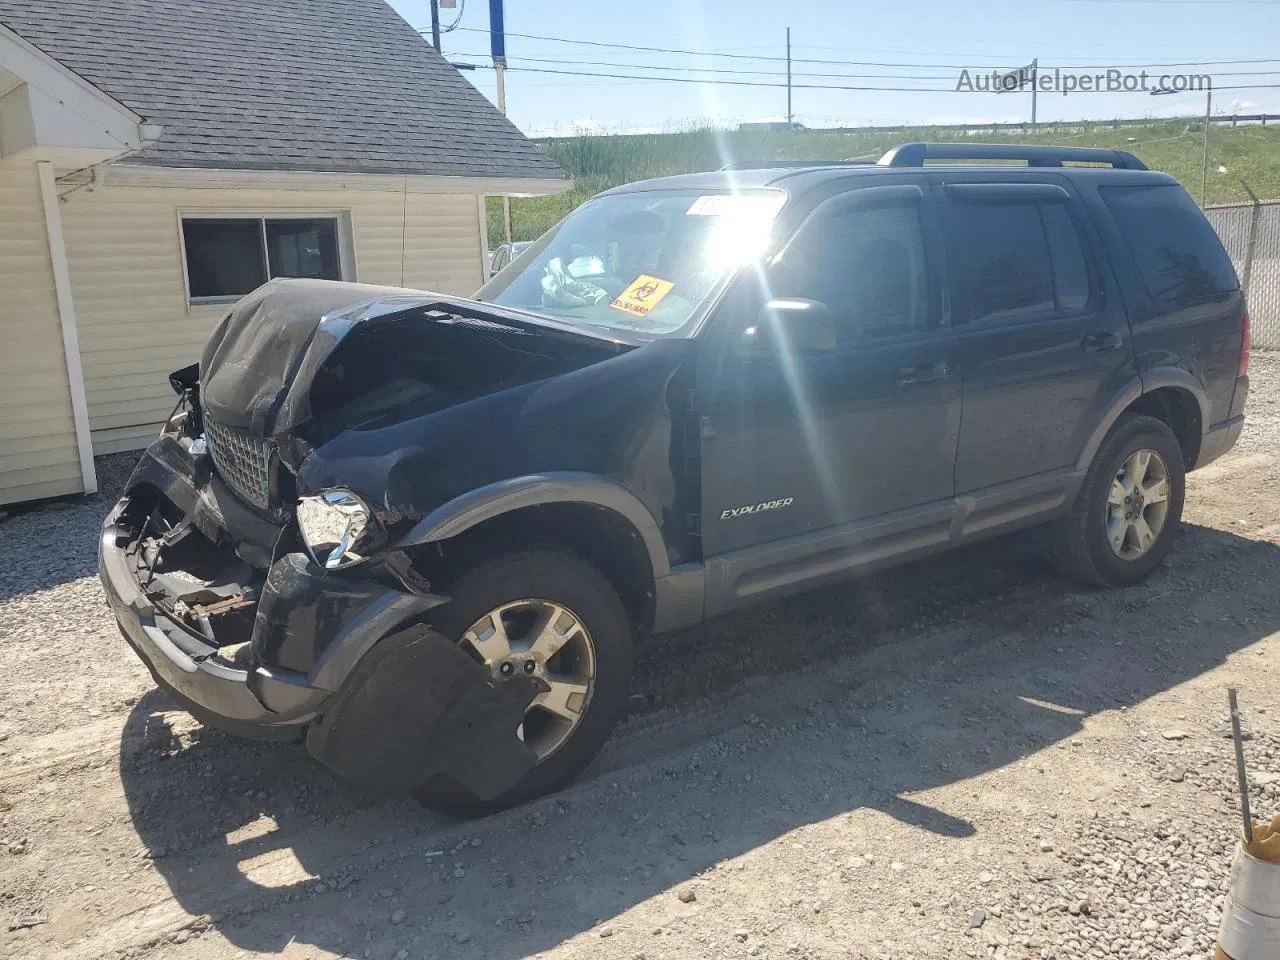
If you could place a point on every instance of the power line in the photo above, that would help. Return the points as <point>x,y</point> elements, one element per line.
<point>799,86</point>
<point>734,83</point>
<point>861,63</point>
<point>706,53</point>
<point>1045,70</point>
<point>728,70</point>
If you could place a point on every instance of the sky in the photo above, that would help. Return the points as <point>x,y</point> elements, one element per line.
<point>921,45</point>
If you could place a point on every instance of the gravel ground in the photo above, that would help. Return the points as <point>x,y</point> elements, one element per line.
<point>963,758</point>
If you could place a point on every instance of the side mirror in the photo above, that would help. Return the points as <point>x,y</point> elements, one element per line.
<point>789,324</point>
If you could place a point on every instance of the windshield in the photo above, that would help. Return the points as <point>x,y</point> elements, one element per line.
<point>645,261</point>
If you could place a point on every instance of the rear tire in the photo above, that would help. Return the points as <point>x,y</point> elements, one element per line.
<point>1104,541</point>
<point>577,586</point>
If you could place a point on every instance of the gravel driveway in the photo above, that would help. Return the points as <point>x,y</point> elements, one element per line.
<point>963,758</point>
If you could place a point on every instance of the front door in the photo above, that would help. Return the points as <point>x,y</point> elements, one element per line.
<point>798,441</point>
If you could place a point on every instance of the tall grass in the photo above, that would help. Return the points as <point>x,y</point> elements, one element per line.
<point>598,162</point>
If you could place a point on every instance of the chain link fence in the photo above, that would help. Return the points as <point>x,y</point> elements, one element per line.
<point>1251,234</point>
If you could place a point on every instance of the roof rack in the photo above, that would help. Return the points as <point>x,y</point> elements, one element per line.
<point>789,164</point>
<point>915,154</point>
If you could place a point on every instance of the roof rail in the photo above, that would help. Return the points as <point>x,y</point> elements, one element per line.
<point>915,154</point>
<point>789,164</point>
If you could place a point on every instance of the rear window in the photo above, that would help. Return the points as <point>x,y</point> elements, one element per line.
<point>1177,252</point>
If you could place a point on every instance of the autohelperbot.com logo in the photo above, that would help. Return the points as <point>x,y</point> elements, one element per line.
<point>1067,82</point>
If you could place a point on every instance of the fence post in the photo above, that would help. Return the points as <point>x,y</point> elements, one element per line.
<point>1252,244</point>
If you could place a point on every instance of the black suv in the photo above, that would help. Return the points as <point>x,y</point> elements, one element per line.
<point>424,532</point>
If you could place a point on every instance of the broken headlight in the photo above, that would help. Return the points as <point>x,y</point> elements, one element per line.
<point>333,525</point>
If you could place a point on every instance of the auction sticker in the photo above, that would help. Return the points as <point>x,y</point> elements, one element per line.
<point>643,295</point>
<point>735,205</point>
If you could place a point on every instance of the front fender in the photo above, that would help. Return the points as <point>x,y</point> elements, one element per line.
<point>495,499</point>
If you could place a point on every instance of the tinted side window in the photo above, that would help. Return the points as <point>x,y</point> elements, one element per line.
<point>1004,265</point>
<point>867,264</point>
<point>1070,274</point>
<point>1018,260</point>
<point>1179,256</point>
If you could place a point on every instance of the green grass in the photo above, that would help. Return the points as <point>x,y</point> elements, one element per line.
<point>596,163</point>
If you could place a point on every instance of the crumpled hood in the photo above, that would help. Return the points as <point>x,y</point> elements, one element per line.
<point>305,359</point>
<point>257,366</point>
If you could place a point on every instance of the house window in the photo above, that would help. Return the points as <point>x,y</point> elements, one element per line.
<point>228,257</point>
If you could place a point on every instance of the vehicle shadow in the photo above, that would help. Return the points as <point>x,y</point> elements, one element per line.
<point>237,827</point>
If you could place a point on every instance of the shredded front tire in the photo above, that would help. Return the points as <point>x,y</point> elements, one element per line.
<point>588,671</point>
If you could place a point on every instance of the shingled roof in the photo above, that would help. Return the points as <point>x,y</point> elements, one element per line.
<point>324,85</point>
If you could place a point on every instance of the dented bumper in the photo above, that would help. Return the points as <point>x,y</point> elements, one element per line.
<point>305,649</point>
<point>252,701</point>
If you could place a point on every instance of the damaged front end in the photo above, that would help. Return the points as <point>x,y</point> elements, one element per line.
<point>261,561</point>
<point>205,567</point>
<point>276,653</point>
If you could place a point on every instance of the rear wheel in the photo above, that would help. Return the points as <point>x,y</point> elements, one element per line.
<point>555,617</point>
<point>1127,513</point>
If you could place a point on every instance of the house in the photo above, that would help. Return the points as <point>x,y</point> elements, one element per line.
<point>159,158</point>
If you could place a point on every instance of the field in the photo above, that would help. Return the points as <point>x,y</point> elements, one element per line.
<point>1250,153</point>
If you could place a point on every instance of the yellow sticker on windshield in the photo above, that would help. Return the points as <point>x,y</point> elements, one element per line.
<point>643,295</point>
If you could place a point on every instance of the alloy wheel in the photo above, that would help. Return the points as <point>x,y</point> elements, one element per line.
<point>546,640</point>
<point>1137,504</point>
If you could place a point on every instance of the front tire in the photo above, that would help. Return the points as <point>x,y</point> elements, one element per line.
<point>501,611</point>
<point>1129,508</point>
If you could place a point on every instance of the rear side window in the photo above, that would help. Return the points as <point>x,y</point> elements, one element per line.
<point>1179,256</point>
<point>1070,275</point>
<point>1018,260</point>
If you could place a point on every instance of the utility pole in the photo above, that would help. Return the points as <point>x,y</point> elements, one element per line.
<point>1035,88</point>
<point>435,24</point>
<point>1204,173</point>
<point>498,50</point>
<point>500,68</point>
<point>789,114</point>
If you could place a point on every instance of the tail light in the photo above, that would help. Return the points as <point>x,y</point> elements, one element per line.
<point>1245,336</point>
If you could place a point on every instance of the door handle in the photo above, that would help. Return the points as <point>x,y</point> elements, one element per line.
<point>929,372</point>
<point>1094,342</point>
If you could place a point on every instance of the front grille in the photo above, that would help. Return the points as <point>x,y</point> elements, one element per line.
<point>242,460</point>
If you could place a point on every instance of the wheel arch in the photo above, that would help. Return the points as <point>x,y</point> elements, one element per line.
<point>592,517</point>
<point>1169,394</point>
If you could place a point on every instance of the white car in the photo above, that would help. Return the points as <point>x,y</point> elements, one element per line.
<point>504,254</point>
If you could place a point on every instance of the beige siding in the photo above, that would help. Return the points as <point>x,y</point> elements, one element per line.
<point>38,454</point>
<point>127,278</point>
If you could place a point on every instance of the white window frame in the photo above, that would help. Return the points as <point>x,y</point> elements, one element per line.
<point>345,234</point>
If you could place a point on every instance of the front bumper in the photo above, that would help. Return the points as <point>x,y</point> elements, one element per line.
<point>251,702</point>
<point>309,630</point>
<point>341,655</point>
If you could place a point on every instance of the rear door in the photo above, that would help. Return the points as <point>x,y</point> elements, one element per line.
<point>1044,341</point>
<point>828,438</point>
